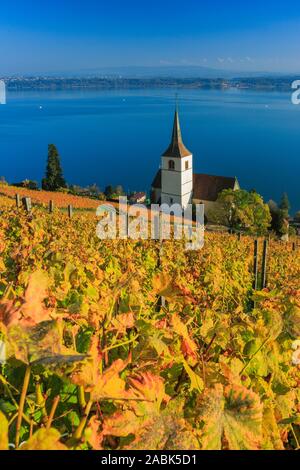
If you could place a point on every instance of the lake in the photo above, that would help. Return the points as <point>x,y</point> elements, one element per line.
<point>117,137</point>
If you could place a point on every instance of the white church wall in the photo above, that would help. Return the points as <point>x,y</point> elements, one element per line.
<point>183,161</point>
<point>187,177</point>
<point>177,184</point>
<point>171,182</point>
<point>186,199</point>
<point>170,199</point>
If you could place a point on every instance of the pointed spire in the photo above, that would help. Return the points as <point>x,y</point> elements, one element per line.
<point>176,148</point>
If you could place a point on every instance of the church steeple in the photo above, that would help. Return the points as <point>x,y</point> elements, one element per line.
<point>176,148</point>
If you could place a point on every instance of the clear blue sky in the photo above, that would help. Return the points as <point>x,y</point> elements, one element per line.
<point>65,35</point>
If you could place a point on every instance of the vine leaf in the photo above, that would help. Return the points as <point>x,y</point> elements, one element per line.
<point>271,434</point>
<point>163,285</point>
<point>92,434</point>
<point>146,394</point>
<point>188,345</point>
<point>32,311</point>
<point>149,389</point>
<point>44,439</point>
<point>231,417</point>
<point>169,431</point>
<point>156,430</point>
<point>3,432</point>
<point>40,344</point>
<point>101,385</point>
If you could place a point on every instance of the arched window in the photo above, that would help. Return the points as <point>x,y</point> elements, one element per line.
<point>171,165</point>
<point>187,165</point>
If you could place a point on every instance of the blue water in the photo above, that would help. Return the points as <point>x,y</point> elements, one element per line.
<point>116,137</point>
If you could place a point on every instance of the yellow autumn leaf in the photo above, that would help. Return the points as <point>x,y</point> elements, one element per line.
<point>105,385</point>
<point>33,310</point>
<point>44,439</point>
<point>3,432</point>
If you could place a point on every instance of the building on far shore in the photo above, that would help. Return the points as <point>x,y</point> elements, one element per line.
<point>175,182</point>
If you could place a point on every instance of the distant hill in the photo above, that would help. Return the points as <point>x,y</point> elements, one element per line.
<point>151,72</point>
<point>158,72</point>
<point>173,71</point>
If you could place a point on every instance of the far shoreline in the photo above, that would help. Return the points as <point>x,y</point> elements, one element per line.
<point>264,84</point>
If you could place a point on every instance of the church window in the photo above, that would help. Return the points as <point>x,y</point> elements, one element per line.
<point>171,165</point>
<point>187,165</point>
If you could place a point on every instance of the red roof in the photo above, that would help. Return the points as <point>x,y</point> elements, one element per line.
<point>206,187</point>
<point>156,183</point>
<point>137,196</point>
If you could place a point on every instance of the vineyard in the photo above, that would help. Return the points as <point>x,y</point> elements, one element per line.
<point>43,198</point>
<point>96,360</point>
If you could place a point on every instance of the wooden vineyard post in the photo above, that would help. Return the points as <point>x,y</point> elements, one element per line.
<point>18,201</point>
<point>70,211</point>
<point>51,207</point>
<point>27,204</point>
<point>264,264</point>
<point>255,268</point>
<point>161,301</point>
<point>294,246</point>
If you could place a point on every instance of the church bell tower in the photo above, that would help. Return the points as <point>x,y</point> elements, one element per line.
<point>177,170</point>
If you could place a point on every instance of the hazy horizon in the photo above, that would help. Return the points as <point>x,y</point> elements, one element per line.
<point>155,71</point>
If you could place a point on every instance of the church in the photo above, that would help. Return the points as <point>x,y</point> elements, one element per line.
<point>176,183</point>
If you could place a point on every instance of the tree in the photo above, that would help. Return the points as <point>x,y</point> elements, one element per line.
<point>280,215</point>
<point>28,184</point>
<point>285,204</point>
<point>119,191</point>
<point>275,214</point>
<point>242,210</point>
<point>109,191</point>
<point>54,175</point>
<point>93,190</point>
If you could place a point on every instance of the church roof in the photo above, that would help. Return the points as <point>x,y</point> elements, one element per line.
<point>205,187</point>
<point>208,187</point>
<point>156,183</point>
<point>176,148</point>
